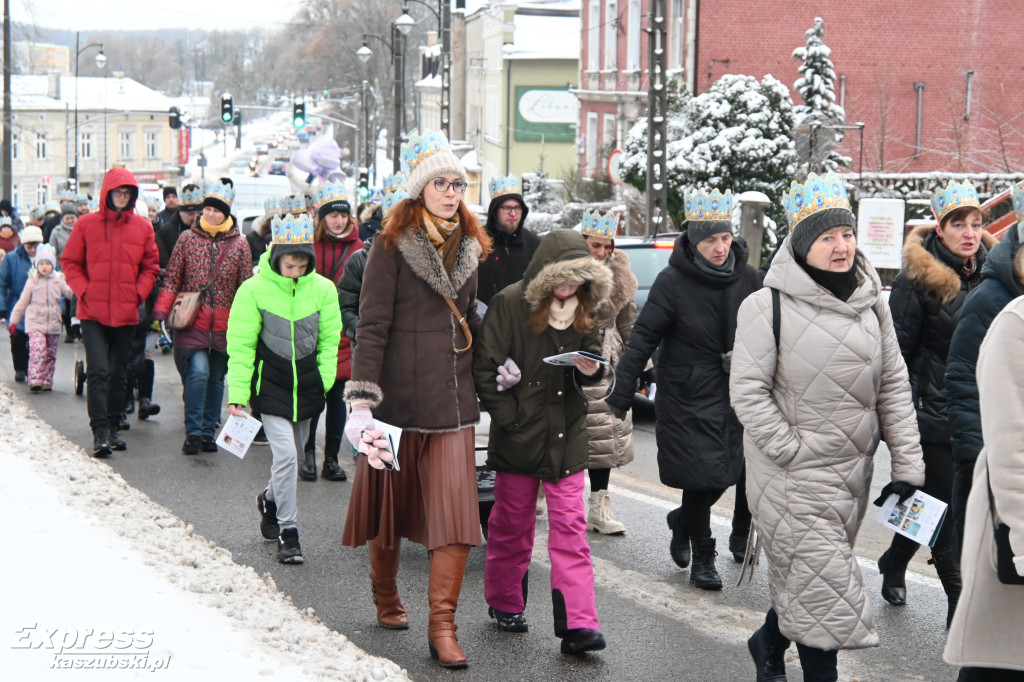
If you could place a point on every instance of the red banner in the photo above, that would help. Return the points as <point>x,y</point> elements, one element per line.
<point>184,142</point>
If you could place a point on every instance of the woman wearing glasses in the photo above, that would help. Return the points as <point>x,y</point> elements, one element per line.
<point>413,368</point>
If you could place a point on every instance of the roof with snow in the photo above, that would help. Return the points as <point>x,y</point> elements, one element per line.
<point>32,93</point>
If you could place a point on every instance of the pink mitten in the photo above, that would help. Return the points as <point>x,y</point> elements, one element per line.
<point>358,421</point>
<point>377,449</point>
<point>508,374</point>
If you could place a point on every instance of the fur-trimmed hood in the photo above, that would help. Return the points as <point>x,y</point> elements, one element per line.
<point>562,257</point>
<point>419,253</point>
<point>924,267</point>
<point>624,286</point>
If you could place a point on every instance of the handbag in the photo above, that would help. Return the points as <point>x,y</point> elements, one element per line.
<point>1006,571</point>
<point>187,303</point>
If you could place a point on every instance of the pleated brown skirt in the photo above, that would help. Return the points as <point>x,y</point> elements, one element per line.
<point>431,500</point>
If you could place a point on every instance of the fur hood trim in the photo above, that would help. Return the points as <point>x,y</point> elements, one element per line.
<point>419,253</point>
<point>1018,266</point>
<point>367,212</point>
<point>624,286</point>
<point>935,276</point>
<point>586,269</point>
<point>368,391</point>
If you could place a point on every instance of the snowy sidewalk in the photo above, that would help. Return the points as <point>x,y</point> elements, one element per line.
<point>97,576</point>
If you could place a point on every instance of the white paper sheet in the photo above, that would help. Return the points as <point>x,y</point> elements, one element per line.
<point>238,433</point>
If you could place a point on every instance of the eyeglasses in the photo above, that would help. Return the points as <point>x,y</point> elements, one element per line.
<point>512,209</point>
<point>442,185</point>
<point>122,192</point>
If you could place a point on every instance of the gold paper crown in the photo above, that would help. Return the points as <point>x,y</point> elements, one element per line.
<point>818,194</point>
<point>500,186</point>
<point>292,229</point>
<point>953,196</point>
<point>419,148</point>
<point>604,224</point>
<point>273,205</point>
<point>391,199</point>
<point>1017,196</point>
<point>700,204</point>
<point>222,191</point>
<point>192,197</point>
<point>295,204</point>
<point>393,182</point>
<point>332,191</point>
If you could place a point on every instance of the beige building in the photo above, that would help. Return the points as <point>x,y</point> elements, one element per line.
<point>120,123</point>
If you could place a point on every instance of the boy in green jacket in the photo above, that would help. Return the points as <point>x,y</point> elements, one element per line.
<point>283,334</point>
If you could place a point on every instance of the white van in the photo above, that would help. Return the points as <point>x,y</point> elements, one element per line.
<point>251,193</point>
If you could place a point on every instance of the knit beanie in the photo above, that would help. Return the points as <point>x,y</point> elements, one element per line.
<point>707,213</point>
<point>814,207</point>
<point>68,208</point>
<point>46,252</point>
<point>427,157</point>
<point>813,226</point>
<point>219,195</point>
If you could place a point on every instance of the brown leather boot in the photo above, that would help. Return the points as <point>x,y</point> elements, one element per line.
<point>383,571</point>
<point>447,564</point>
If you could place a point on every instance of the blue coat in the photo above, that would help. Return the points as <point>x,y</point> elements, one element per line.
<point>13,275</point>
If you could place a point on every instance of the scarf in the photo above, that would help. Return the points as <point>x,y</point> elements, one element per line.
<point>214,230</point>
<point>839,284</point>
<point>446,236</point>
<point>723,271</point>
<point>561,314</point>
<point>964,268</point>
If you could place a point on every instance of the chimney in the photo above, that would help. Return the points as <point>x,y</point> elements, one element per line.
<point>53,85</point>
<point>431,38</point>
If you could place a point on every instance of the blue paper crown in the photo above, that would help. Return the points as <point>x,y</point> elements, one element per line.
<point>393,182</point>
<point>332,191</point>
<point>295,204</point>
<point>819,193</point>
<point>273,205</point>
<point>1017,196</point>
<point>51,206</point>
<point>292,229</point>
<point>81,198</point>
<point>701,204</point>
<point>953,196</point>
<point>37,212</point>
<point>65,195</point>
<point>6,220</point>
<point>192,197</point>
<point>604,224</point>
<point>377,195</point>
<point>501,186</point>
<point>419,148</point>
<point>222,191</point>
<point>391,199</point>
<point>94,204</point>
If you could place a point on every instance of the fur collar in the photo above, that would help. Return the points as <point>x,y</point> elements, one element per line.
<point>624,286</point>
<point>932,274</point>
<point>422,258</point>
<point>585,269</point>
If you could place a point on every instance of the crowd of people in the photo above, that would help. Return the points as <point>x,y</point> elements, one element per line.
<point>781,383</point>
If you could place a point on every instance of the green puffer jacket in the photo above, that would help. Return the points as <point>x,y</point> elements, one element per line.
<point>539,427</point>
<point>283,339</point>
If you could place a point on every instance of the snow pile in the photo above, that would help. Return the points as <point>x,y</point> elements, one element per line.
<point>217,615</point>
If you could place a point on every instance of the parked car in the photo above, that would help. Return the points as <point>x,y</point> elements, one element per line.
<point>277,168</point>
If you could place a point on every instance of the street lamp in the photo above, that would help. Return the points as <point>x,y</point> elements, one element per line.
<point>101,61</point>
<point>404,23</point>
<point>398,59</point>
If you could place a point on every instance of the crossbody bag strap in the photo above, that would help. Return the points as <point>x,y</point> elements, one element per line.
<point>462,322</point>
<point>341,261</point>
<point>214,267</point>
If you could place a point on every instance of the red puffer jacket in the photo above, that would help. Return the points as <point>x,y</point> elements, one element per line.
<point>111,261</point>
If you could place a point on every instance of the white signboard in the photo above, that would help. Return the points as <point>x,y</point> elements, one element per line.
<point>880,231</point>
<point>549,106</point>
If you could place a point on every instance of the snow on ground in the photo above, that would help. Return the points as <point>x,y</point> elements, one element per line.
<point>97,574</point>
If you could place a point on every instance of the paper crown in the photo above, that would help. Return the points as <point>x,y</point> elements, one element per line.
<point>819,193</point>
<point>273,205</point>
<point>81,198</point>
<point>37,212</point>
<point>377,195</point>
<point>419,148</point>
<point>65,195</point>
<point>192,197</point>
<point>295,204</point>
<point>953,196</point>
<point>604,224</point>
<point>292,229</point>
<point>52,206</point>
<point>700,205</point>
<point>222,191</point>
<point>332,191</point>
<point>393,182</point>
<point>1017,197</point>
<point>501,186</point>
<point>94,204</point>
<point>391,199</point>
<point>6,220</point>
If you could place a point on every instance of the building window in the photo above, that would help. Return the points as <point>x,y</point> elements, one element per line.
<point>592,139</point>
<point>126,145</point>
<point>85,145</point>
<point>41,194</point>
<point>41,147</point>
<point>675,37</point>
<point>611,25</point>
<point>15,146</point>
<point>594,37</point>
<point>15,195</point>
<point>152,145</point>
<point>608,140</point>
<point>634,28</point>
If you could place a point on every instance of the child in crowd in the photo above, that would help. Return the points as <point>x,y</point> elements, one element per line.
<point>283,334</point>
<point>40,305</point>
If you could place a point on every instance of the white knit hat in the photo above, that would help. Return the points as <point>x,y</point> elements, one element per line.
<point>426,157</point>
<point>31,234</point>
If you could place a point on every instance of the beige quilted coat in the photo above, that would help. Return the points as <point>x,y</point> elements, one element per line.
<point>813,412</point>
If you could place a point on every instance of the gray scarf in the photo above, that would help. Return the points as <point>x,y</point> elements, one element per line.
<point>716,271</point>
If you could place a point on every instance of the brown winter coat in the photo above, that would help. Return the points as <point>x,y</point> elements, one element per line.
<point>813,410</point>
<point>405,362</point>
<point>986,628</point>
<point>40,303</point>
<point>611,439</point>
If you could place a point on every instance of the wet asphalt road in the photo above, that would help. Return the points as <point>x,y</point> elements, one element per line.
<point>657,626</point>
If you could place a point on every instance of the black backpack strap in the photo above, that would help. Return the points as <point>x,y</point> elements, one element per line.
<point>776,315</point>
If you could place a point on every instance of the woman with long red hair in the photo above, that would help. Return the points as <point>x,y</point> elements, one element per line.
<point>413,367</point>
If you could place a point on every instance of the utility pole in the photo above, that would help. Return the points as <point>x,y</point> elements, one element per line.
<point>446,67</point>
<point>657,128</point>
<point>398,50</point>
<point>8,143</point>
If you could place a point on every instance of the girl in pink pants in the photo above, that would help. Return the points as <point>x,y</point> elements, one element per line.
<point>538,433</point>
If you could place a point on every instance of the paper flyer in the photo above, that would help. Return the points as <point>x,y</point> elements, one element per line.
<point>566,359</point>
<point>237,434</point>
<point>393,435</point>
<point>919,518</point>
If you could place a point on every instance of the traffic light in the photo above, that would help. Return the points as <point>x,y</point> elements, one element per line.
<point>364,183</point>
<point>175,118</point>
<point>299,114</point>
<point>227,108</point>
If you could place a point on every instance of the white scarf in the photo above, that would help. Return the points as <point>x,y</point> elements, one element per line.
<point>561,314</point>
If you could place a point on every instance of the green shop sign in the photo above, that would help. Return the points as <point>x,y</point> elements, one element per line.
<point>547,113</point>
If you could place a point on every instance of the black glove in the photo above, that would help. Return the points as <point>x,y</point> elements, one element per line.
<point>616,411</point>
<point>726,361</point>
<point>901,489</point>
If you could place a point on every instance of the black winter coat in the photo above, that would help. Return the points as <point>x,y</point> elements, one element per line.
<point>926,299</point>
<point>349,286</point>
<point>692,315</point>
<point>167,237</point>
<point>508,261</point>
<point>1002,280</point>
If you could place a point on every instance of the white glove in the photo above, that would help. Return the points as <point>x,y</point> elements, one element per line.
<point>508,374</point>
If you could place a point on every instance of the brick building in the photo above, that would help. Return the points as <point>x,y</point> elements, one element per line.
<point>952,70</point>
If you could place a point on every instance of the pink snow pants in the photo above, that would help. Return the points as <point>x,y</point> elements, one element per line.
<point>510,545</point>
<point>42,358</point>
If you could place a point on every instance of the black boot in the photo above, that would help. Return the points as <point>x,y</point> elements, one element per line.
<point>332,471</point>
<point>679,547</point>
<point>147,408</point>
<point>129,400</point>
<point>115,441</point>
<point>893,567</point>
<point>947,565</point>
<point>768,647</point>
<point>703,573</point>
<point>307,470</point>
<point>100,442</point>
<point>738,544</point>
